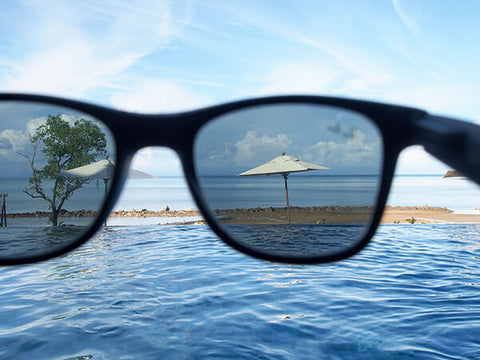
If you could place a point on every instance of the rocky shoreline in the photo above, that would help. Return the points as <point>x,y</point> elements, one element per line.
<point>62,213</point>
<point>272,215</point>
<point>117,213</point>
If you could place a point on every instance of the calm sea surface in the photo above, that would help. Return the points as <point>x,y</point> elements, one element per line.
<point>157,292</point>
<point>153,194</point>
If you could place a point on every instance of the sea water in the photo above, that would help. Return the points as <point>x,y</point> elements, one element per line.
<point>459,195</point>
<point>157,292</point>
<point>462,196</point>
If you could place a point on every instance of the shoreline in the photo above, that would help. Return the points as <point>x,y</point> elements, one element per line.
<point>314,214</point>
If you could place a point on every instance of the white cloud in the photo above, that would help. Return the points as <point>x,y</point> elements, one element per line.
<point>70,68</point>
<point>404,17</point>
<point>449,99</point>
<point>71,48</point>
<point>415,160</point>
<point>409,13</point>
<point>253,144</point>
<point>146,95</point>
<point>33,124</point>
<point>11,142</point>
<point>356,152</point>
<point>324,76</point>
<point>157,161</point>
<point>300,77</point>
<point>364,83</point>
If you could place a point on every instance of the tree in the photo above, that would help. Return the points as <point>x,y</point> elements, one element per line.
<point>64,146</point>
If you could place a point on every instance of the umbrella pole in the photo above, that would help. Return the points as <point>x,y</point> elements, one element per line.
<point>106,182</point>
<point>285,176</point>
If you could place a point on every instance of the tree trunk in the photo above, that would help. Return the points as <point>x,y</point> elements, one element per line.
<point>54,217</point>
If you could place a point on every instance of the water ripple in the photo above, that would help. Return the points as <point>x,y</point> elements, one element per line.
<point>154,292</point>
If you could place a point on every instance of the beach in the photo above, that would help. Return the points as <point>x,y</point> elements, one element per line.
<point>426,215</point>
<point>325,214</point>
<point>304,215</point>
<point>270,215</point>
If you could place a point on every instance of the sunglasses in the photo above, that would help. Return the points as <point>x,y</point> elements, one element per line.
<point>297,179</point>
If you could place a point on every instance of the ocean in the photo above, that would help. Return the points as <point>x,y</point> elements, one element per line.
<point>141,291</point>
<point>462,196</point>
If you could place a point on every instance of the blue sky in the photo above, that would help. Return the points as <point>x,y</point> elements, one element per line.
<point>162,56</point>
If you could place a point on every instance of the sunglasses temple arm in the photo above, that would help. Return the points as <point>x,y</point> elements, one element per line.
<point>454,142</point>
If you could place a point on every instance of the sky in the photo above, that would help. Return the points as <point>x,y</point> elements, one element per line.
<point>165,56</point>
<point>343,141</point>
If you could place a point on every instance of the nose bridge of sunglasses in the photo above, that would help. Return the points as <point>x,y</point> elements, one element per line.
<point>137,131</point>
<point>155,192</point>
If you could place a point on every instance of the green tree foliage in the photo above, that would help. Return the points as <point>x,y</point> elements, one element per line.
<point>64,146</point>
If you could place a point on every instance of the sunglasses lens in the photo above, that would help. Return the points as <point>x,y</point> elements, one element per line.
<point>295,180</point>
<point>55,171</point>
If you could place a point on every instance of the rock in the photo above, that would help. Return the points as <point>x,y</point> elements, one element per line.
<point>166,208</point>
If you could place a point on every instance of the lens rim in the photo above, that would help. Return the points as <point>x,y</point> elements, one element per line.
<point>386,167</point>
<point>115,185</point>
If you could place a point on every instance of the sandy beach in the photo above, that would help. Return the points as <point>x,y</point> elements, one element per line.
<point>325,214</point>
<point>312,215</point>
<point>342,215</point>
<point>426,215</point>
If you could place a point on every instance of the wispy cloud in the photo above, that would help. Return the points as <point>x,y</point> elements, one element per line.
<point>73,48</point>
<point>406,19</point>
<point>157,56</point>
<point>157,95</point>
<point>301,77</point>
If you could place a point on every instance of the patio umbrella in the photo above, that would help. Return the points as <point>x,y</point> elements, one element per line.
<point>103,169</point>
<point>283,165</point>
<point>453,174</point>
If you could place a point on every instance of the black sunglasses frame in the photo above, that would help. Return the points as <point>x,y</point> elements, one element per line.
<point>454,142</point>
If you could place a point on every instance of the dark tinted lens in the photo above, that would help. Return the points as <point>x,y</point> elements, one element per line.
<point>56,165</point>
<point>291,180</point>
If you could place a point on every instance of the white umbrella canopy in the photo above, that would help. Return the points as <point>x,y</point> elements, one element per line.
<point>456,175</point>
<point>103,169</point>
<point>283,165</point>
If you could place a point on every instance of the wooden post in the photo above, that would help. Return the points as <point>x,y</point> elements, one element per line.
<point>106,192</point>
<point>285,176</point>
<point>3,216</point>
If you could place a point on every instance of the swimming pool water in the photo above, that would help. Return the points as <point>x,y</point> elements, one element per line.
<point>156,292</point>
